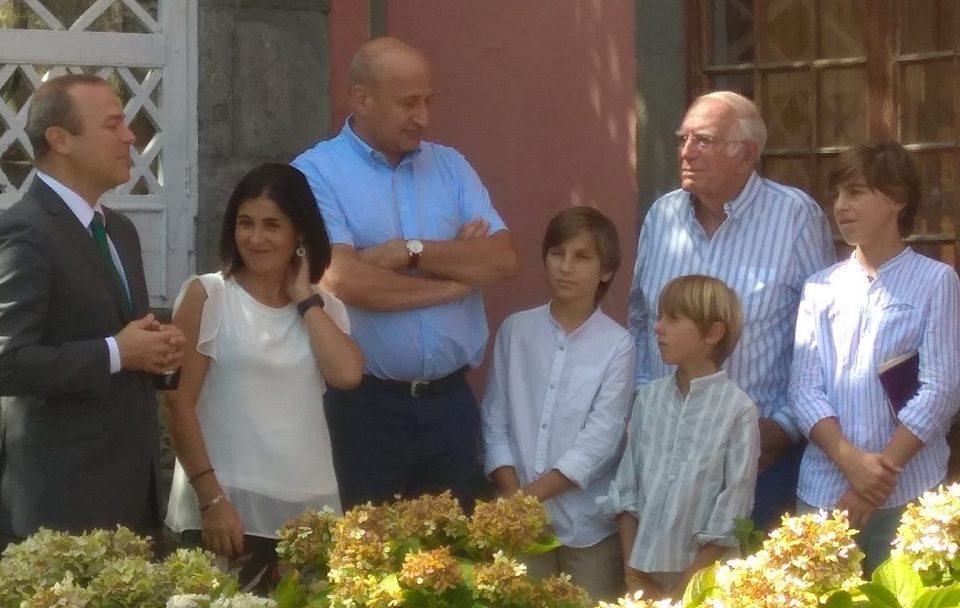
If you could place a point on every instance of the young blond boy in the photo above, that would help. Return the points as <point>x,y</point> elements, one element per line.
<point>885,301</point>
<point>690,466</point>
<point>557,399</point>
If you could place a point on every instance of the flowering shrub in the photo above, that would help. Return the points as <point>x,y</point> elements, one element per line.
<point>426,553</point>
<point>637,601</point>
<point>423,552</point>
<point>508,524</point>
<point>804,561</point>
<point>929,536</point>
<point>100,568</point>
<point>240,600</point>
<point>812,561</point>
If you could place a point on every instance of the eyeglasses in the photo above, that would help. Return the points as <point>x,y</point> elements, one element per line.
<point>701,142</point>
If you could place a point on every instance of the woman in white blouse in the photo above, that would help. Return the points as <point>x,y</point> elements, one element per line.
<point>246,420</point>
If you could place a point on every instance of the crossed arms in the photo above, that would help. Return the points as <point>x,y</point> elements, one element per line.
<point>376,279</point>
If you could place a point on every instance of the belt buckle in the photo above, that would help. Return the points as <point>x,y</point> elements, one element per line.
<point>416,385</point>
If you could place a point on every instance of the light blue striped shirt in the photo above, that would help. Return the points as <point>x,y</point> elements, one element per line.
<point>689,470</point>
<point>430,195</point>
<point>772,239</point>
<point>847,326</point>
<point>560,401</point>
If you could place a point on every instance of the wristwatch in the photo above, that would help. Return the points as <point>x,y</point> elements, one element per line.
<point>309,302</point>
<point>414,249</point>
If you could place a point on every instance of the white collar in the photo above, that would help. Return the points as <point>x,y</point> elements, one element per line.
<point>80,208</point>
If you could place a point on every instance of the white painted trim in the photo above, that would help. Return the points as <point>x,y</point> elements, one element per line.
<point>86,48</point>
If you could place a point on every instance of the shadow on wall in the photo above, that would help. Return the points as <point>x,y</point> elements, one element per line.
<point>540,97</point>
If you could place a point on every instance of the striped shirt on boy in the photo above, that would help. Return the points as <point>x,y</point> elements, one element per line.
<point>847,326</point>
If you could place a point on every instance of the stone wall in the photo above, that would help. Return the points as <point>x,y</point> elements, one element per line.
<point>263,95</point>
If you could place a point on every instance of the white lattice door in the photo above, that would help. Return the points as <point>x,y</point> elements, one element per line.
<point>143,47</point>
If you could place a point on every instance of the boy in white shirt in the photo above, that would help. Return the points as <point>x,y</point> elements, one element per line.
<point>557,398</point>
<point>690,466</point>
<point>883,302</point>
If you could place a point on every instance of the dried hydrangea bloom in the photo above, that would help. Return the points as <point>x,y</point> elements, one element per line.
<point>509,524</point>
<point>560,591</point>
<point>433,571</point>
<point>434,520</point>
<point>362,541</point>
<point>819,549</point>
<point>636,601</point>
<point>801,563</point>
<point>305,542</point>
<point>504,580</point>
<point>356,589</point>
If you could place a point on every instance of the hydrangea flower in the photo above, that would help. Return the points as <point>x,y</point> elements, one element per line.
<point>929,535</point>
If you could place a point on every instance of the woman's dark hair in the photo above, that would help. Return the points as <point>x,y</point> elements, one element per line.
<point>288,188</point>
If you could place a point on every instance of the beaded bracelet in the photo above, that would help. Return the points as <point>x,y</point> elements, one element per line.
<point>215,501</point>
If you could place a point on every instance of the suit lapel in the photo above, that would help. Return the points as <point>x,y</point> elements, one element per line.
<point>77,234</point>
<point>128,249</point>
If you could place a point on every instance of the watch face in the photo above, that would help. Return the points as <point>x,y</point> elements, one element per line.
<point>414,246</point>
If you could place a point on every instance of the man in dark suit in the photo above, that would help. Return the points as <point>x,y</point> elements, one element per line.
<point>78,416</point>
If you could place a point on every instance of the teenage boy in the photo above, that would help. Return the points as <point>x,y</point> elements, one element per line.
<point>690,466</point>
<point>557,399</point>
<point>884,302</point>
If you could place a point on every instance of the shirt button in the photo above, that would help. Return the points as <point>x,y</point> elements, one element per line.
<point>672,477</point>
<point>552,386</point>
<point>543,426</point>
<point>561,347</point>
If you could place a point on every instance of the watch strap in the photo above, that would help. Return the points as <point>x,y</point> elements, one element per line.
<point>307,303</point>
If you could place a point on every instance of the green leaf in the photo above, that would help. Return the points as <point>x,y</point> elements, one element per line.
<point>699,587</point>
<point>839,599</point>
<point>880,596</point>
<point>750,538</point>
<point>944,597</point>
<point>390,583</point>
<point>542,546</point>
<point>289,593</point>
<point>898,576</point>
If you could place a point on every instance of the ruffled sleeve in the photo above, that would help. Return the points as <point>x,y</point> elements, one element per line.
<point>212,311</point>
<point>335,309</point>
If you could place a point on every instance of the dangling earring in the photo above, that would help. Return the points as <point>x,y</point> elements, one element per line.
<point>300,251</point>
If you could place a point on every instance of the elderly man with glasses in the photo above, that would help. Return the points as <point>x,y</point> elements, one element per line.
<point>760,237</point>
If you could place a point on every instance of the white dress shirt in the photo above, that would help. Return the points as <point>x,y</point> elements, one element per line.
<point>848,325</point>
<point>689,470</point>
<point>84,214</point>
<point>772,239</point>
<point>560,401</point>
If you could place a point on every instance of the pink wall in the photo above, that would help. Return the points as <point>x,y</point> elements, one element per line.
<point>539,96</point>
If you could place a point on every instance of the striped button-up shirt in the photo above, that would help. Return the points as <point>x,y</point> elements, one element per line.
<point>848,325</point>
<point>689,469</point>
<point>772,239</point>
<point>560,401</point>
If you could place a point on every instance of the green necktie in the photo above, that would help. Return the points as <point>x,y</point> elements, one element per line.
<point>100,238</point>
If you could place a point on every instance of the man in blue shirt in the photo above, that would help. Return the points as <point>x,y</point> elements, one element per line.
<point>414,238</point>
<point>761,238</point>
